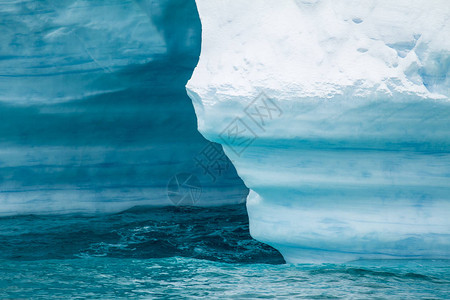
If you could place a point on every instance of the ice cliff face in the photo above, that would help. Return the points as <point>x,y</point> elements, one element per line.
<point>94,116</point>
<point>336,115</point>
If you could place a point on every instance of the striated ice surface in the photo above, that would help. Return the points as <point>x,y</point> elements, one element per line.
<point>94,116</point>
<point>336,114</point>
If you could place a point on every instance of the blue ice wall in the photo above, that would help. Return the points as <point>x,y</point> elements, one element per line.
<point>94,116</point>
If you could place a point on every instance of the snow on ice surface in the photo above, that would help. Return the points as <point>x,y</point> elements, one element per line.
<point>94,116</point>
<point>336,116</point>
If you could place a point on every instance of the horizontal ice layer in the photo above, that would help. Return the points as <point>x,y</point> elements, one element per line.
<point>94,116</point>
<point>73,48</point>
<point>336,116</point>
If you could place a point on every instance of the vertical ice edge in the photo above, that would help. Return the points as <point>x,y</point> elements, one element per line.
<point>336,115</point>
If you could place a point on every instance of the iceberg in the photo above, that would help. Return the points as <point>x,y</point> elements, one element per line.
<point>94,112</point>
<point>336,115</point>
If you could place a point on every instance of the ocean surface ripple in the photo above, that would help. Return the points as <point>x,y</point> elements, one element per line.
<point>185,252</point>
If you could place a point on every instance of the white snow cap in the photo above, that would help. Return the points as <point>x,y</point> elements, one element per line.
<point>320,48</point>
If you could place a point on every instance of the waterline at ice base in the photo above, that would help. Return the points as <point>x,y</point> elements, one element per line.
<point>336,115</point>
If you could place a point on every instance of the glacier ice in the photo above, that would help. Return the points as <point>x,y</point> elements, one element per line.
<point>94,116</point>
<point>336,114</point>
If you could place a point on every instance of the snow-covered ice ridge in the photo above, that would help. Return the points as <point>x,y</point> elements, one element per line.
<point>336,115</point>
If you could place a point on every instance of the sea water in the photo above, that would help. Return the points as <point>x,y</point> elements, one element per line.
<point>185,252</point>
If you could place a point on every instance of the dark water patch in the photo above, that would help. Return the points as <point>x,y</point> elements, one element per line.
<point>217,234</point>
